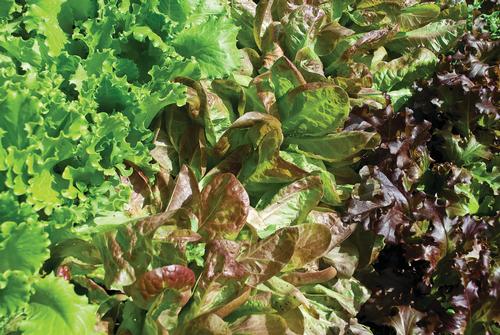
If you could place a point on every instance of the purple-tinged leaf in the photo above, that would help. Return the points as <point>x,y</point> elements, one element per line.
<point>224,204</point>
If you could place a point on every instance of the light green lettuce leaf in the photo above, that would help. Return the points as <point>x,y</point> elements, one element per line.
<point>42,17</point>
<point>339,147</point>
<point>290,205</point>
<point>212,44</point>
<point>330,194</point>
<point>313,109</point>
<point>439,37</point>
<point>399,73</point>
<point>14,294</point>
<point>6,7</point>
<point>400,97</point>
<point>23,247</point>
<point>416,16</point>
<point>347,295</point>
<point>54,308</point>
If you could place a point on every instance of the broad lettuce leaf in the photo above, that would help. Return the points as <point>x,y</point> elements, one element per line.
<point>212,44</point>
<point>313,109</point>
<point>439,37</point>
<point>402,71</point>
<point>54,307</point>
<point>335,148</point>
<point>290,205</point>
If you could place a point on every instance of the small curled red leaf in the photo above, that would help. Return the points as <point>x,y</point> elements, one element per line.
<point>155,281</point>
<point>64,272</point>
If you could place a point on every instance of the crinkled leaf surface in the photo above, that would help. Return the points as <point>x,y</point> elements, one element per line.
<point>54,307</point>
<point>212,44</point>
<point>224,206</point>
<point>23,247</point>
<point>14,293</point>
<point>313,109</point>
<point>290,205</point>
<point>439,37</point>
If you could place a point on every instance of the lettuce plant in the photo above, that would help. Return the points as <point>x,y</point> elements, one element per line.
<point>233,167</point>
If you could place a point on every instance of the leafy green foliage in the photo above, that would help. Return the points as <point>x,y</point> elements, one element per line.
<point>14,293</point>
<point>212,45</point>
<point>23,247</point>
<point>55,307</point>
<point>239,167</point>
<point>80,84</point>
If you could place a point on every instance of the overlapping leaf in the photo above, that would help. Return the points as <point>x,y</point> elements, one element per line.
<point>278,167</point>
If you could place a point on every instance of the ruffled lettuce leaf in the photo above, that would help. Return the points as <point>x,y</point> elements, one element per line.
<point>54,307</point>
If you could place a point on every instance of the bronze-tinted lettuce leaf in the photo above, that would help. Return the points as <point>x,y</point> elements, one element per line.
<point>262,132</point>
<point>249,129</point>
<point>290,205</point>
<point>185,193</point>
<point>224,204</point>
<point>221,260</point>
<point>310,277</point>
<point>208,324</point>
<point>313,242</point>
<point>339,230</point>
<point>231,93</point>
<point>267,257</point>
<point>154,282</point>
<point>127,249</point>
<point>268,324</point>
<point>142,194</point>
<point>221,282</point>
<point>405,321</point>
<point>439,37</point>
<point>125,253</point>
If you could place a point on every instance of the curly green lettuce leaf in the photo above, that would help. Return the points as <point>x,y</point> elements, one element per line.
<point>14,294</point>
<point>23,247</point>
<point>187,11</point>
<point>12,210</point>
<point>42,17</point>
